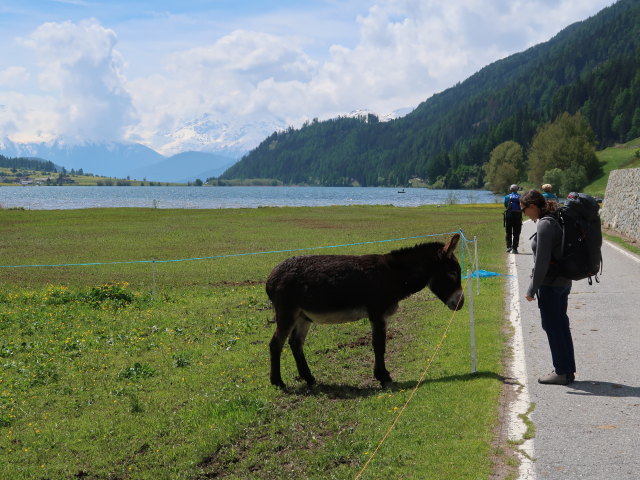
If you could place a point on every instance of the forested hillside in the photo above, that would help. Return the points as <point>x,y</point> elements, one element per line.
<point>27,163</point>
<point>591,67</point>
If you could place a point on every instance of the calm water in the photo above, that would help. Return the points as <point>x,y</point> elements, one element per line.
<point>57,198</point>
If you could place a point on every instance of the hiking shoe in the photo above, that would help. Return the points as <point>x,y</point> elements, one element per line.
<point>508,249</point>
<point>554,379</point>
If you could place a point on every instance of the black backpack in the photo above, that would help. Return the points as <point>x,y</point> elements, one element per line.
<point>581,239</point>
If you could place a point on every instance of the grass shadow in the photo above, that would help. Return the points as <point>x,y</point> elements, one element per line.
<point>470,376</point>
<point>338,391</point>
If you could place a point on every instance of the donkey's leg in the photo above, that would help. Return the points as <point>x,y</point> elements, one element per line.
<point>296,341</point>
<point>379,338</point>
<point>284,324</point>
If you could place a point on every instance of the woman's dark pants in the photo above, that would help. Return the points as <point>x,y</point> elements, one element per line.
<point>552,302</point>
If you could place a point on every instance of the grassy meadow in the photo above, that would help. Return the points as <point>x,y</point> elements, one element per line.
<point>160,370</point>
<point>612,158</point>
<point>8,179</point>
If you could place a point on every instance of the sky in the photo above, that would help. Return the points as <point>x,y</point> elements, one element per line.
<point>169,74</point>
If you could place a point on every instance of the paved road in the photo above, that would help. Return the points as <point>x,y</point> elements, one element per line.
<point>591,428</point>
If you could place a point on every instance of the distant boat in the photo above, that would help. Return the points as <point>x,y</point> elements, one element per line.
<point>401,191</point>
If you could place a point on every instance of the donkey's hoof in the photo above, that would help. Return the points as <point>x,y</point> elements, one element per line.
<point>278,383</point>
<point>387,384</point>
<point>310,380</point>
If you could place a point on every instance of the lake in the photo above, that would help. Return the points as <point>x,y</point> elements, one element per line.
<point>60,198</point>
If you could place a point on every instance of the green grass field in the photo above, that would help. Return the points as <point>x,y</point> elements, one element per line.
<point>160,370</point>
<point>37,176</point>
<point>612,158</point>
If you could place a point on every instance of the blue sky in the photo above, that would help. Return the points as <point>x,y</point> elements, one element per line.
<point>178,74</point>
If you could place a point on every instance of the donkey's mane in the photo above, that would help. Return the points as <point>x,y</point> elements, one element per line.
<point>419,248</point>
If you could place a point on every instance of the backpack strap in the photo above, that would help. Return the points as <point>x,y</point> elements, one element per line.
<point>556,217</point>
<point>562,244</point>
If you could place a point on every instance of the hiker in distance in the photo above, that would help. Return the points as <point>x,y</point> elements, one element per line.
<point>552,290</point>
<point>512,218</point>
<point>550,197</point>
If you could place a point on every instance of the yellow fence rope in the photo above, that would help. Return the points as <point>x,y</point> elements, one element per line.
<point>413,392</point>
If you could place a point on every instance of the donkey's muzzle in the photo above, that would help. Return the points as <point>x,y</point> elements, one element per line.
<point>456,300</point>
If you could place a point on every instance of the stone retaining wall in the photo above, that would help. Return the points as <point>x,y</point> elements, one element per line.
<point>621,206</point>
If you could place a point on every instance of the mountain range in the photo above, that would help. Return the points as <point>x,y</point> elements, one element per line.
<point>125,160</point>
<point>592,67</point>
<point>211,147</point>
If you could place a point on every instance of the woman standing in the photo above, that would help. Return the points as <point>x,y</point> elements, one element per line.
<point>552,290</point>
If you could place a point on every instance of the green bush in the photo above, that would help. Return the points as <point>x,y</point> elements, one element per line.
<point>111,292</point>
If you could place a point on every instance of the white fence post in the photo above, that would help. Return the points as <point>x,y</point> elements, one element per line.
<point>477,264</point>
<point>472,325</point>
<point>153,276</point>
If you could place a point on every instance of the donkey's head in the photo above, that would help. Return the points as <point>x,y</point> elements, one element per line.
<point>445,278</point>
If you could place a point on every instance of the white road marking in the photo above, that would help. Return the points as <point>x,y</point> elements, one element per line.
<point>520,405</point>
<point>623,251</point>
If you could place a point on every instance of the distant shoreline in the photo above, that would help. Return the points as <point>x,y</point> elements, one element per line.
<point>184,197</point>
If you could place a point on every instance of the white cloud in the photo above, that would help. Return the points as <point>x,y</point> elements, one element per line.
<point>29,118</point>
<point>81,80</point>
<point>242,75</point>
<point>13,77</point>
<point>402,52</point>
<point>410,49</point>
<point>255,55</point>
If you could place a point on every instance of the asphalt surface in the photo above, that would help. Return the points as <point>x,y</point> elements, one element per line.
<point>591,428</point>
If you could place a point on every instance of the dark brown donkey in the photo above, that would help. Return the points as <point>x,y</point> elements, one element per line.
<point>344,288</point>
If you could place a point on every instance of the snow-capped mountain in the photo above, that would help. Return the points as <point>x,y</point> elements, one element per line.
<point>228,137</point>
<point>383,118</point>
<point>237,136</point>
<point>201,148</point>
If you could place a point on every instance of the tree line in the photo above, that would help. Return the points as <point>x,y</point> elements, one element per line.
<point>23,163</point>
<point>562,154</point>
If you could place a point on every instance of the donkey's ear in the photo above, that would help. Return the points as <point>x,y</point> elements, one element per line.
<point>450,246</point>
